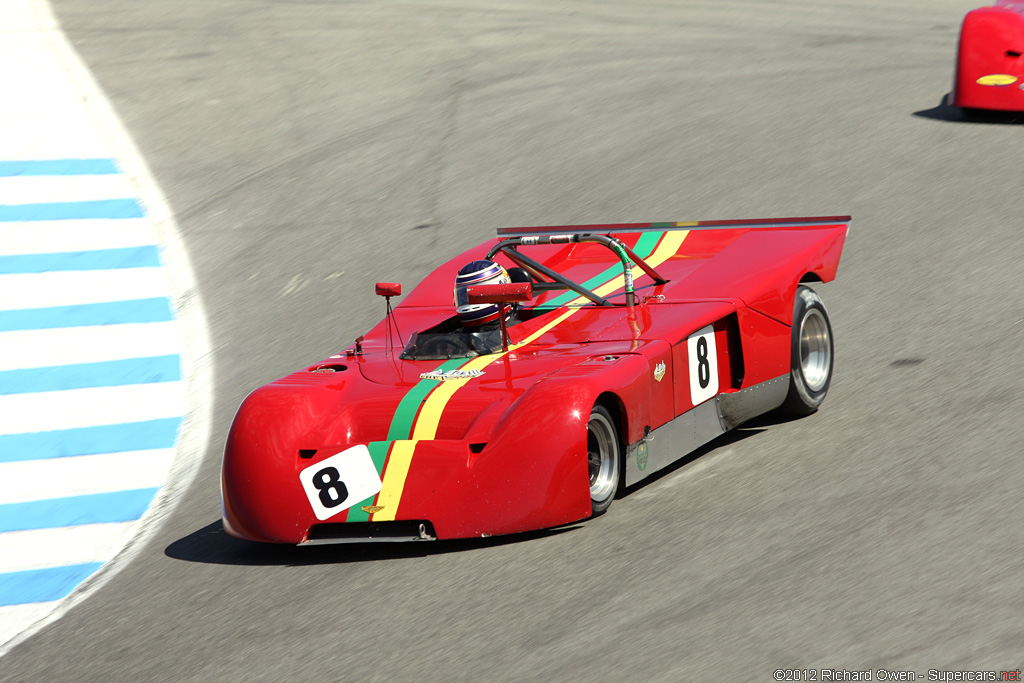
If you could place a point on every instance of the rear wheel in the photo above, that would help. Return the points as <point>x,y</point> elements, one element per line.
<point>810,355</point>
<point>602,459</point>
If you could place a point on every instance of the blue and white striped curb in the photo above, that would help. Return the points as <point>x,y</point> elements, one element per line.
<point>93,385</point>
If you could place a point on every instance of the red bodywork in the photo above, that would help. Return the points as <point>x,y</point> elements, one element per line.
<point>504,450</point>
<point>990,61</point>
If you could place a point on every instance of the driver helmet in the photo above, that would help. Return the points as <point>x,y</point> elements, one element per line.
<point>477,273</point>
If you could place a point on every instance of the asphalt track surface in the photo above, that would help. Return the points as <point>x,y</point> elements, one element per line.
<point>309,149</point>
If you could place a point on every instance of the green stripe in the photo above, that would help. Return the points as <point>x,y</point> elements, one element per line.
<point>405,414</point>
<point>379,454</point>
<point>644,247</point>
<point>401,429</point>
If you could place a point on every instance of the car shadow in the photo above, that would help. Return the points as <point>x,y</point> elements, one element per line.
<point>947,112</point>
<point>212,545</point>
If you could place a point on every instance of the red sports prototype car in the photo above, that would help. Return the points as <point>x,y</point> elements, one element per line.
<point>620,349</point>
<point>989,66</point>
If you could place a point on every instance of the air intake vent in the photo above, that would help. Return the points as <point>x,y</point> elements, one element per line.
<point>334,367</point>
<point>368,532</point>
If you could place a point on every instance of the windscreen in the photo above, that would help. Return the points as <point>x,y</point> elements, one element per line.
<point>460,344</point>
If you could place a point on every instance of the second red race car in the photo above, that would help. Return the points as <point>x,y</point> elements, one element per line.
<point>523,383</point>
<point>990,59</point>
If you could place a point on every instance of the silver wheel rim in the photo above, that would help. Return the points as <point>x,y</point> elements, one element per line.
<point>601,454</point>
<point>815,350</point>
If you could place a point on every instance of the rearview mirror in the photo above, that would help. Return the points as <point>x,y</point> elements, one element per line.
<point>499,294</point>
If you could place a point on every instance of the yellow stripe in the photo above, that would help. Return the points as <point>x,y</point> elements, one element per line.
<point>430,414</point>
<point>668,248</point>
<point>398,461</point>
<point>400,458</point>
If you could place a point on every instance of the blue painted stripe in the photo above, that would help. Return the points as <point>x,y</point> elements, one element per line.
<point>43,585</point>
<point>62,211</point>
<point>58,167</point>
<point>98,508</point>
<point>156,310</point>
<point>111,373</point>
<point>100,259</point>
<point>65,443</point>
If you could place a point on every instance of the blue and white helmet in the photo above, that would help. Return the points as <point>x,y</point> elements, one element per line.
<point>477,273</point>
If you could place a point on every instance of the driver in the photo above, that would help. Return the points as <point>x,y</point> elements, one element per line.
<point>478,324</point>
<point>474,316</point>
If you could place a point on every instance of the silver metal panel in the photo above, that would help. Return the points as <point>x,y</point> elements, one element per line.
<point>696,427</point>
<point>667,444</point>
<point>738,407</point>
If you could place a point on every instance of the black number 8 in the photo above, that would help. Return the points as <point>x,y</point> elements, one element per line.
<point>703,366</point>
<point>332,489</point>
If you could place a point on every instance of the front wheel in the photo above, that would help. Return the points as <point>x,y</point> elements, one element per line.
<point>602,459</point>
<point>810,355</point>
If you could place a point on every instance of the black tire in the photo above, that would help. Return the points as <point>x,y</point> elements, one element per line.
<point>811,354</point>
<point>603,459</point>
<point>990,115</point>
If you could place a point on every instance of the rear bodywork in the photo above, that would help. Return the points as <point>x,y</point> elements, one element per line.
<point>990,59</point>
<point>496,443</point>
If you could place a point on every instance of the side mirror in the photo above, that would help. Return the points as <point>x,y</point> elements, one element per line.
<point>500,294</point>
<point>388,290</point>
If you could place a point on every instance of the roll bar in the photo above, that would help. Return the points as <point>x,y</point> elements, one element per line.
<point>628,258</point>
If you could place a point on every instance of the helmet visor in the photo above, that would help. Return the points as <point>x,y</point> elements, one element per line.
<point>462,295</point>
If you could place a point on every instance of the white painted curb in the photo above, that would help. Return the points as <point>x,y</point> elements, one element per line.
<point>34,18</point>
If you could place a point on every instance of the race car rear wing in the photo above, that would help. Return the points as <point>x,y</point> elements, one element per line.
<point>605,228</point>
<point>602,234</point>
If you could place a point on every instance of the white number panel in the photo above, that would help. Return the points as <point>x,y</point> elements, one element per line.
<point>703,357</point>
<point>339,482</point>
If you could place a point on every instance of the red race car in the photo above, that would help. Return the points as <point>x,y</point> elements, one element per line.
<point>989,65</point>
<point>570,362</point>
